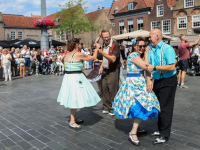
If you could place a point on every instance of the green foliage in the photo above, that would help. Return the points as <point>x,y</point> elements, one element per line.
<point>72,17</point>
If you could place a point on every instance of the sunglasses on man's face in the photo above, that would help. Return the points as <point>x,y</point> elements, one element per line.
<point>108,37</point>
<point>140,46</point>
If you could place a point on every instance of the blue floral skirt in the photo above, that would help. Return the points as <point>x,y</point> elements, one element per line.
<point>138,111</point>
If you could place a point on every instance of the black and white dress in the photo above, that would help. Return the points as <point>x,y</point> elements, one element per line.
<point>94,76</point>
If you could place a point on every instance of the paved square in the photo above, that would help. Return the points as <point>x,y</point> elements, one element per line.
<point>32,119</point>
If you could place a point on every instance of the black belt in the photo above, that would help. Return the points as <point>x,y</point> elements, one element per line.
<point>73,72</point>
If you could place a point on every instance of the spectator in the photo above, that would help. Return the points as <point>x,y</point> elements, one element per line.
<point>86,63</point>
<point>22,65</point>
<point>16,61</point>
<point>26,53</point>
<point>6,64</point>
<point>59,62</point>
<point>32,55</point>
<point>196,51</point>
<point>1,69</point>
<point>83,49</point>
<point>38,62</point>
<point>54,64</point>
<point>183,59</point>
<point>12,61</point>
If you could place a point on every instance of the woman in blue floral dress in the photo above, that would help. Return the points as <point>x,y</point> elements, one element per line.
<point>132,99</point>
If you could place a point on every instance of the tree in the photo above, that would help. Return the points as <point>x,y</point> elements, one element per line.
<point>72,17</point>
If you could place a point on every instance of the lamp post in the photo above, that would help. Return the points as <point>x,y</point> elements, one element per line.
<point>44,43</point>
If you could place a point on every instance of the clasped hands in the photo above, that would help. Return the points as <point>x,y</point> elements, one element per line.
<point>149,67</point>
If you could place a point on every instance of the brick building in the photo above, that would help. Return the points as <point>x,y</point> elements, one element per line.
<point>161,16</point>
<point>18,27</point>
<point>186,17</point>
<point>133,15</point>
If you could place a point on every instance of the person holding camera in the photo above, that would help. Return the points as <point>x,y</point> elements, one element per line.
<point>26,53</point>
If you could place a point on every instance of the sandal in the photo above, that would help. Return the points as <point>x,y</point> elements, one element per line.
<point>74,126</point>
<point>137,143</point>
<point>79,121</point>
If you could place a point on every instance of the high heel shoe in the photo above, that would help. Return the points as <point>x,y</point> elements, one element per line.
<point>136,143</point>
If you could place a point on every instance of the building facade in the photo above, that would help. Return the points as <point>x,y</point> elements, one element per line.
<point>186,16</point>
<point>161,16</point>
<point>18,27</point>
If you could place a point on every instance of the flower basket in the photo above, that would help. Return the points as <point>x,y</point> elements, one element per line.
<point>44,22</point>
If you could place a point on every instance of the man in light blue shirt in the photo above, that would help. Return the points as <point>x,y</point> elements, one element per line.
<point>162,59</point>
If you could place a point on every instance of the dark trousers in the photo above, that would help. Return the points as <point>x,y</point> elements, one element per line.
<point>165,90</point>
<point>110,87</point>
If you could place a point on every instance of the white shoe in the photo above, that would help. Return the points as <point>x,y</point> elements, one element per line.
<point>6,80</point>
<point>111,114</point>
<point>156,133</point>
<point>10,79</point>
<point>36,74</point>
<point>105,112</point>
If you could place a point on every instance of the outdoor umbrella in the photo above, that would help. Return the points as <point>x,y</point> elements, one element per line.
<point>135,34</point>
<point>57,43</point>
<point>10,41</point>
<point>4,45</point>
<point>29,42</point>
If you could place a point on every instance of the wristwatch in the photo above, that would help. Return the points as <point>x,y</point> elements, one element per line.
<point>154,69</point>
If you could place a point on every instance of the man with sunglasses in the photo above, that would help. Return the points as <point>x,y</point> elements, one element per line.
<point>110,69</point>
<point>162,60</point>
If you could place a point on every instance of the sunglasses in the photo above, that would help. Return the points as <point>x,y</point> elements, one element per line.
<point>140,46</point>
<point>108,37</point>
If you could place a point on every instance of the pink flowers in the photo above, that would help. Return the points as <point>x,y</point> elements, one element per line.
<point>46,22</point>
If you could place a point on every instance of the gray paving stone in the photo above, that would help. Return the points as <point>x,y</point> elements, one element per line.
<point>43,139</point>
<point>7,132</point>
<point>2,136</point>
<point>37,144</point>
<point>15,148</point>
<point>55,146</point>
<point>24,145</point>
<point>27,137</point>
<point>8,143</point>
<point>29,114</point>
<point>15,138</point>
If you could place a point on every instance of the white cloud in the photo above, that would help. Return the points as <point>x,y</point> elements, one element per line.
<point>26,7</point>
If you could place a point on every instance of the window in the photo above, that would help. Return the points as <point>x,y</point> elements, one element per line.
<point>155,24</point>
<point>66,35</point>
<point>182,22</point>
<point>140,25</point>
<point>130,6</point>
<point>195,21</point>
<point>166,26</point>
<point>188,3</point>
<point>160,10</point>
<point>121,27</point>
<point>57,37</point>
<point>116,10</point>
<point>130,25</point>
<point>12,35</point>
<point>61,35</point>
<point>20,35</point>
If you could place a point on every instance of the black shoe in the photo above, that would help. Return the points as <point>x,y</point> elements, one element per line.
<point>156,133</point>
<point>141,130</point>
<point>78,121</point>
<point>160,140</point>
<point>136,143</point>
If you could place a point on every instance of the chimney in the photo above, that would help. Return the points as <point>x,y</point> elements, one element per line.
<point>98,7</point>
<point>102,7</point>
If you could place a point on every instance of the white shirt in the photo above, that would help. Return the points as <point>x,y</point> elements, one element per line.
<point>27,55</point>
<point>106,50</point>
<point>196,51</point>
<point>16,59</point>
<point>5,59</point>
<point>126,52</point>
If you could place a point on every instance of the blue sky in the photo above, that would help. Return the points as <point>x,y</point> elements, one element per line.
<point>26,7</point>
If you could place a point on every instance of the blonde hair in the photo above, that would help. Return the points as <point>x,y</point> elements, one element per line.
<point>5,49</point>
